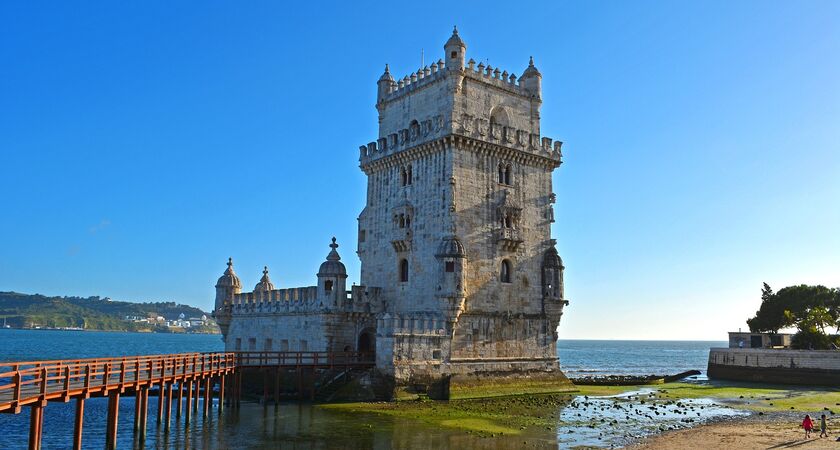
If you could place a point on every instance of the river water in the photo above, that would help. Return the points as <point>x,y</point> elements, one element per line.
<point>582,421</point>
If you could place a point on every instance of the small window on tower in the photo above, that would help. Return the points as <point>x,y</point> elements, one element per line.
<point>328,286</point>
<point>454,55</point>
<point>362,235</point>
<point>450,266</point>
<point>505,272</point>
<point>403,270</point>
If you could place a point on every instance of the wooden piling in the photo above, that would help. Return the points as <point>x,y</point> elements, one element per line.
<point>197,394</point>
<point>144,411</point>
<point>36,422</point>
<point>180,400</point>
<point>113,420</point>
<point>168,405</point>
<point>137,405</point>
<point>188,406</point>
<point>221,392</point>
<point>161,393</point>
<point>208,395</point>
<point>77,427</point>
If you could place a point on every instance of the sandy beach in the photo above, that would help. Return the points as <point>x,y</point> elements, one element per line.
<point>748,434</point>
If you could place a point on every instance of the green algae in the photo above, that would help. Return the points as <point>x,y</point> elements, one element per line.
<point>486,416</point>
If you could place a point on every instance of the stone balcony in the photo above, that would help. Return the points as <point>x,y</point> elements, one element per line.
<point>508,239</point>
<point>402,240</point>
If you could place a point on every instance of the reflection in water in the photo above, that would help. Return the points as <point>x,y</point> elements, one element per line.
<point>596,422</point>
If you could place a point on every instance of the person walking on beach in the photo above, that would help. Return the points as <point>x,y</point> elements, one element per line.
<point>808,425</point>
<point>823,427</point>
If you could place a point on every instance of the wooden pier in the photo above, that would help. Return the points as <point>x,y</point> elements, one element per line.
<point>35,384</point>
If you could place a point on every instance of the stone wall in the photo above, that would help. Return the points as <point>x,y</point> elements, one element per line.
<point>808,367</point>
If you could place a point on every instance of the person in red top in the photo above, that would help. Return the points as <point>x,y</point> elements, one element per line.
<point>808,425</point>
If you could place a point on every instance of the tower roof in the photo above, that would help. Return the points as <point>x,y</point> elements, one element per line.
<point>552,259</point>
<point>451,247</point>
<point>455,39</point>
<point>229,278</point>
<point>333,265</point>
<point>265,283</point>
<point>531,70</point>
<point>386,76</point>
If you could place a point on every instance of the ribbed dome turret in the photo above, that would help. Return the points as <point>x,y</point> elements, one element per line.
<point>552,259</point>
<point>531,70</point>
<point>387,75</point>
<point>455,39</point>
<point>229,278</point>
<point>451,247</point>
<point>333,265</point>
<point>265,283</point>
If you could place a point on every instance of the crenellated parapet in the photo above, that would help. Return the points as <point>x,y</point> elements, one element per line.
<point>416,132</point>
<point>301,299</point>
<point>363,299</point>
<point>482,73</point>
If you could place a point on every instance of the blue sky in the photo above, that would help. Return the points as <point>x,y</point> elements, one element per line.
<point>143,143</point>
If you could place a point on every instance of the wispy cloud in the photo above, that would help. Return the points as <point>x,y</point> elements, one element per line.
<point>103,224</point>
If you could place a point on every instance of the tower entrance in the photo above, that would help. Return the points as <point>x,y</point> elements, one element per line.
<point>367,344</point>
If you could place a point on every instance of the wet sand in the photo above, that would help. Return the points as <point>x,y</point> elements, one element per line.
<point>751,433</point>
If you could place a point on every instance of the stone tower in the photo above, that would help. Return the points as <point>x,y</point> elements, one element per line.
<point>227,287</point>
<point>456,230</point>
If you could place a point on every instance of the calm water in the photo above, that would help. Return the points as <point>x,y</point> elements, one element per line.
<point>593,358</point>
<point>301,426</point>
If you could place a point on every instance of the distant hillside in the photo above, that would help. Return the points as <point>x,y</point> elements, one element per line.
<point>92,313</point>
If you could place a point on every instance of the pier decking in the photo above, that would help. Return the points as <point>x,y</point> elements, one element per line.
<point>35,384</point>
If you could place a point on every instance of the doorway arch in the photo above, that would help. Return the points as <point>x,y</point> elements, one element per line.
<point>367,344</point>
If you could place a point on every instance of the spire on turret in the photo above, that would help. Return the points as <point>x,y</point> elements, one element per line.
<point>333,264</point>
<point>385,85</point>
<point>229,278</point>
<point>386,75</point>
<point>531,79</point>
<point>455,49</point>
<point>265,283</point>
<point>333,256</point>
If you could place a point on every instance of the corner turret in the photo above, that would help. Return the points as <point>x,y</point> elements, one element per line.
<point>227,287</point>
<point>531,80</point>
<point>385,85</point>
<point>456,51</point>
<point>265,283</point>
<point>332,276</point>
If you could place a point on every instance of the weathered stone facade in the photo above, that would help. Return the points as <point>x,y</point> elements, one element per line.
<point>459,273</point>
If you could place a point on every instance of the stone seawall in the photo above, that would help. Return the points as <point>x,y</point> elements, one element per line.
<point>805,367</point>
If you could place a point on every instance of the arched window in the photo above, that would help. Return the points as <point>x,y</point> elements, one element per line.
<point>408,221</point>
<point>501,173</point>
<point>508,222</point>
<point>328,286</point>
<point>402,220</point>
<point>507,174</point>
<point>403,270</point>
<point>504,276</point>
<point>405,175</point>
